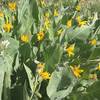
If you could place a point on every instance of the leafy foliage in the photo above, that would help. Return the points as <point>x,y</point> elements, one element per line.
<point>49,50</point>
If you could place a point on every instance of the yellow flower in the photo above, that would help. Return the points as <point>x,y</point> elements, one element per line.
<point>69,23</point>
<point>78,8</point>
<point>56,13</point>
<point>80,22</point>
<point>98,67</point>
<point>25,38</point>
<point>43,2</point>
<point>12,6</point>
<point>1,14</point>
<point>47,23</point>
<point>77,71</point>
<point>40,36</point>
<point>93,76</point>
<point>45,75</point>
<point>40,67</point>
<point>7,27</point>
<point>93,42</point>
<point>70,50</point>
<point>78,18</point>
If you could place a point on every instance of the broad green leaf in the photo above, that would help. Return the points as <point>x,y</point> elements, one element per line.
<point>53,83</point>
<point>34,10</point>
<point>6,62</point>
<point>25,51</point>
<point>81,33</point>
<point>52,56</point>
<point>61,84</point>
<point>25,18</point>
<point>22,8</point>
<point>29,75</point>
<point>13,46</point>
<point>63,93</point>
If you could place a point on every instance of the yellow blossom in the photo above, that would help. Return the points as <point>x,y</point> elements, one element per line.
<point>70,50</point>
<point>7,27</point>
<point>25,38</point>
<point>93,76</point>
<point>77,71</point>
<point>78,18</point>
<point>78,8</point>
<point>40,36</point>
<point>43,2</point>
<point>1,14</point>
<point>98,67</point>
<point>56,13</point>
<point>80,21</point>
<point>12,6</point>
<point>47,23</point>
<point>69,23</point>
<point>40,67</point>
<point>93,42</point>
<point>45,75</point>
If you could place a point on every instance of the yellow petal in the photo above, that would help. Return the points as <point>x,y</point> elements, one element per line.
<point>78,8</point>
<point>77,71</point>
<point>40,36</point>
<point>1,14</point>
<point>69,23</point>
<point>70,50</point>
<point>25,38</point>
<point>93,42</point>
<point>12,6</point>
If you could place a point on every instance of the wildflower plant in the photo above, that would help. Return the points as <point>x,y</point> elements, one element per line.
<point>49,50</point>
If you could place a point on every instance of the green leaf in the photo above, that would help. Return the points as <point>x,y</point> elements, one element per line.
<point>25,51</point>
<point>81,33</point>
<point>61,84</point>
<point>1,82</point>
<point>94,90</point>
<point>25,92</point>
<point>53,83</point>
<point>52,56</point>
<point>16,63</point>
<point>62,93</point>
<point>34,10</point>
<point>95,54</point>
<point>6,87</point>
<point>29,75</point>
<point>12,48</point>
<point>25,18</point>
<point>22,8</point>
<point>6,62</point>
